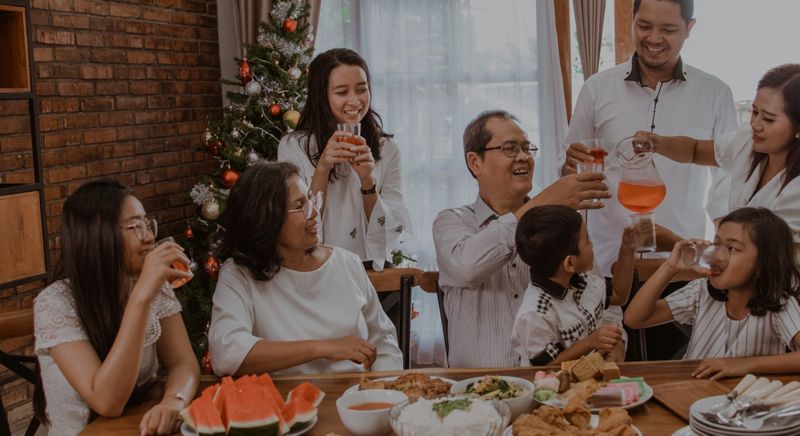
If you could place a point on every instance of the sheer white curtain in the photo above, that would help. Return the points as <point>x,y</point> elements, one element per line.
<point>435,65</point>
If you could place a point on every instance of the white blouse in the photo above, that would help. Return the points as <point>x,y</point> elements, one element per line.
<point>333,301</point>
<point>733,152</point>
<point>551,318</point>
<point>56,322</point>
<point>716,335</point>
<point>344,221</point>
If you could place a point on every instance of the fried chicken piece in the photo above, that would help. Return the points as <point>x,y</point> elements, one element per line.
<point>533,425</point>
<point>612,418</point>
<point>372,384</point>
<point>577,413</point>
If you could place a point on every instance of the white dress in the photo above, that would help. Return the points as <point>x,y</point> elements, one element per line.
<point>733,152</point>
<point>56,322</point>
<point>716,335</point>
<point>344,222</point>
<point>335,300</point>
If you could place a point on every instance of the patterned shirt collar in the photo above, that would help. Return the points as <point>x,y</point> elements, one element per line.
<point>550,287</point>
<point>635,74</point>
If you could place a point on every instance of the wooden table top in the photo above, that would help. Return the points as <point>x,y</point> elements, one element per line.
<point>651,418</point>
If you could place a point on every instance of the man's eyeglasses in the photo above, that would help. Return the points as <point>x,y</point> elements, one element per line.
<point>314,202</point>
<point>142,226</point>
<point>512,148</point>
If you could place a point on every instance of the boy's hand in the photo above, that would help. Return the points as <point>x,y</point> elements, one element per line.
<point>605,338</point>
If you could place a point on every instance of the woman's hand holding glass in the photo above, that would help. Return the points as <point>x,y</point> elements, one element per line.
<point>336,151</point>
<point>158,268</point>
<point>350,348</point>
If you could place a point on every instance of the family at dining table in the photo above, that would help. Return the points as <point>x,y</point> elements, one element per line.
<point>527,280</point>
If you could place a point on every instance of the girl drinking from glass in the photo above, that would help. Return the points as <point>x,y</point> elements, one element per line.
<point>361,177</point>
<point>745,314</point>
<point>110,317</point>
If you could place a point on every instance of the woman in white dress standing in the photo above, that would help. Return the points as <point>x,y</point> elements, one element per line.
<point>764,158</point>
<point>363,210</point>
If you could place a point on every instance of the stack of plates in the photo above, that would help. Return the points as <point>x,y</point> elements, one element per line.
<point>703,427</point>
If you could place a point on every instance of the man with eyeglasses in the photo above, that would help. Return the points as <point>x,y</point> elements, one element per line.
<point>654,91</point>
<point>480,273</point>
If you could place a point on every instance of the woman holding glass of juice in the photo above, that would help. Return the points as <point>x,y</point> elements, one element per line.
<point>344,153</point>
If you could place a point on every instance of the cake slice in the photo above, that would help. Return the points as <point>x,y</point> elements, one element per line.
<point>584,369</point>
<point>608,397</point>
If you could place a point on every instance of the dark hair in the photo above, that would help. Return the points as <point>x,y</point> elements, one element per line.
<point>253,218</point>
<point>476,135</point>
<point>687,8</point>
<point>317,118</point>
<point>546,235</point>
<point>784,78</point>
<point>93,260</point>
<point>776,276</point>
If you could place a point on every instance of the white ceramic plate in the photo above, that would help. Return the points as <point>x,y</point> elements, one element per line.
<point>593,422</point>
<point>703,424</point>
<point>645,397</point>
<point>354,388</point>
<point>187,431</point>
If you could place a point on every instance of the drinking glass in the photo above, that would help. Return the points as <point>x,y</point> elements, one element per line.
<point>352,128</point>
<point>598,148</point>
<point>178,281</point>
<point>640,190</point>
<point>714,256</point>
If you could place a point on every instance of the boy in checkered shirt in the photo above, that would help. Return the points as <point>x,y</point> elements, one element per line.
<point>561,316</point>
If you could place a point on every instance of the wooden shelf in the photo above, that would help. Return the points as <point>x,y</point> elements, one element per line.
<point>15,71</point>
<point>22,250</point>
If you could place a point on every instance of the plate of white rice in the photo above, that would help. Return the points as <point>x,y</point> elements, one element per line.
<point>468,416</point>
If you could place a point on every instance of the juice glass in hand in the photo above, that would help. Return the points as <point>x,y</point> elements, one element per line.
<point>713,257</point>
<point>598,148</point>
<point>178,281</point>
<point>353,129</point>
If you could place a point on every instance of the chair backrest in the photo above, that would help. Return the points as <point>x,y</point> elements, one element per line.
<point>16,323</point>
<point>397,280</point>
<point>429,282</point>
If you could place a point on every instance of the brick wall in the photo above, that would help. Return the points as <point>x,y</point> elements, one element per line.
<point>125,90</point>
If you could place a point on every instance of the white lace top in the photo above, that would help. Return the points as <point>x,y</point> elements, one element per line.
<point>56,322</point>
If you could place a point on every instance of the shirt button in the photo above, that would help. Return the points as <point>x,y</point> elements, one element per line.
<point>514,265</point>
<point>516,295</point>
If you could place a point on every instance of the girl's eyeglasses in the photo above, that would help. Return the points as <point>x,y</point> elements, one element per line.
<point>512,148</point>
<point>141,226</point>
<point>314,202</point>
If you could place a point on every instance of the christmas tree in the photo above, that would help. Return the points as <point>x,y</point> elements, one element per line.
<point>271,91</point>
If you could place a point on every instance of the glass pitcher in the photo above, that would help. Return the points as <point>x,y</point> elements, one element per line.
<point>640,189</point>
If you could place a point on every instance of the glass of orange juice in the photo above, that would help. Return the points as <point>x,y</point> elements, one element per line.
<point>178,281</point>
<point>354,129</point>
<point>598,148</point>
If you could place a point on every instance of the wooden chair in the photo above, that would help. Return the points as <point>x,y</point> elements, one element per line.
<point>399,281</point>
<point>13,325</point>
<point>429,282</point>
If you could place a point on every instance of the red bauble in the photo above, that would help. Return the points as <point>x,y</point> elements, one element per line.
<point>205,364</point>
<point>188,233</point>
<point>275,110</point>
<point>215,146</point>
<point>212,267</point>
<point>229,177</point>
<point>290,25</point>
<point>244,72</point>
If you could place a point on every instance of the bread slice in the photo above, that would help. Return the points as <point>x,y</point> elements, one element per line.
<point>585,369</point>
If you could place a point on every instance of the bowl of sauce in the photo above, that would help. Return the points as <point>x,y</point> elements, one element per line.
<point>367,412</point>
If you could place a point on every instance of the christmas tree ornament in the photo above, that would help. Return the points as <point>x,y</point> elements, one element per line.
<point>236,133</point>
<point>290,25</point>
<point>212,266</point>
<point>208,136</point>
<point>275,110</point>
<point>188,233</point>
<point>205,364</point>
<point>238,151</point>
<point>252,157</point>
<point>210,209</point>
<point>229,177</point>
<point>244,72</point>
<point>193,266</point>
<point>310,36</point>
<point>295,73</point>
<point>215,146</point>
<point>253,88</point>
<point>291,118</point>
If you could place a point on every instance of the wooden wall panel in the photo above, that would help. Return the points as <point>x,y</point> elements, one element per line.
<point>623,19</point>
<point>21,250</point>
<point>14,73</point>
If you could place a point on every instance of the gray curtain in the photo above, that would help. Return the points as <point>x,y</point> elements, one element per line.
<point>589,23</point>
<point>249,13</point>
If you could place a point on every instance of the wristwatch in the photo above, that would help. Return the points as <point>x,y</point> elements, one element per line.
<point>370,190</point>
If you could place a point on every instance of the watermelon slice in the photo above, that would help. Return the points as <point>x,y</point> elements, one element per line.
<point>202,416</point>
<point>308,392</point>
<point>299,414</point>
<point>266,381</point>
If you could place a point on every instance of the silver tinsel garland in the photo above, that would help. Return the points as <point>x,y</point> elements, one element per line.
<point>201,193</point>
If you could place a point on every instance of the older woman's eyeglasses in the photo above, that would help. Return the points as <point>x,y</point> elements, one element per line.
<point>314,202</point>
<point>512,148</point>
<point>141,226</point>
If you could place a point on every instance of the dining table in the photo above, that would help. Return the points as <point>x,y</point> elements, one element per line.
<point>651,418</point>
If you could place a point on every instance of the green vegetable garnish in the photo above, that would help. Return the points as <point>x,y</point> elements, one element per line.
<point>444,408</point>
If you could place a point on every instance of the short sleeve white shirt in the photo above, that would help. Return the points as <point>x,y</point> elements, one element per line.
<point>611,107</point>
<point>344,222</point>
<point>734,153</point>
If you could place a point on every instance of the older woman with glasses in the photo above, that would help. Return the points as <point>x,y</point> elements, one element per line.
<point>285,304</point>
<point>110,317</point>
